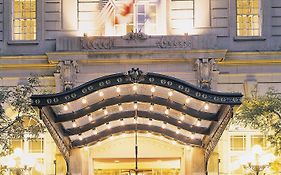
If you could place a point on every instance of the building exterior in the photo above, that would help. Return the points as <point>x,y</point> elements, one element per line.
<point>222,45</point>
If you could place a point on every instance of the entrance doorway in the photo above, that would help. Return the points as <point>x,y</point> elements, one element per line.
<point>147,166</point>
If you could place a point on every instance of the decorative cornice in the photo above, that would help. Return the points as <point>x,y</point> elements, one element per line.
<point>149,78</point>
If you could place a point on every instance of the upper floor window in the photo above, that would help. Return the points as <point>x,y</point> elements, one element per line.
<point>24,20</point>
<point>248,18</point>
<point>134,16</point>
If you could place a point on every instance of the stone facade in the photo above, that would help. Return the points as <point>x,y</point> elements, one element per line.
<point>70,49</point>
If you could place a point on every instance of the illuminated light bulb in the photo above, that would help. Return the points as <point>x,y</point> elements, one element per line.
<point>101,94</point>
<point>174,142</point>
<point>170,93</point>
<point>167,111</point>
<point>105,112</point>
<point>95,132</point>
<point>84,101</point>
<point>80,137</point>
<point>163,125</point>
<point>118,90</point>
<point>74,124</point>
<point>151,108</point>
<point>206,106</point>
<point>135,120</point>
<point>182,117</point>
<point>187,100</point>
<point>135,87</point>
<point>120,108</point>
<point>65,107</point>
<point>153,89</point>
<point>177,131</point>
<point>198,123</point>
<point>150,122</point>
<point>192,136</point>
<point>108,126</point>
<point>122,122</point>
<point>135,106</point>
<point>148,134</point>
<point>90,118</point>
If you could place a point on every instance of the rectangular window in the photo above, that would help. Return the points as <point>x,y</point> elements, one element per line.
<point>248,18</point>
<point>36,145</point>
<point>17,143</point>
<point>24,20</point>
<point>238,143</point>
<point>258,140</point>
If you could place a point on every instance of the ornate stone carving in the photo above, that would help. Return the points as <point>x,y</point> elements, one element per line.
<point>94,43</point>
<point>135,36</point>
<point>174,42</point>
<point>204,68</point>
<point>67,71</point>
<point>215,139</point>
<point>135,75</point>
<point>63,147</point>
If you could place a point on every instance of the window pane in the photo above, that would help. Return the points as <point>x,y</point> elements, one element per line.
<point>36,145</point>
<point>17,143</point>
<point>248,18</point>
<point>24,19</point>
<point>258,140</point>
<point>238,143</point>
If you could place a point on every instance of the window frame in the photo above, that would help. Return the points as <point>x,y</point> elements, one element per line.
<point>39,26</point>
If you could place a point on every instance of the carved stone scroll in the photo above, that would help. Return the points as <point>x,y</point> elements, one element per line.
<point>67,73</point>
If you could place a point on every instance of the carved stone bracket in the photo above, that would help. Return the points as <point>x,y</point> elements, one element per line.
<point>135,75</point>
<point>68,73</point>
<point>135,36</point>
<point>204,68</point>
<point>215,139</point>
<point>63,147</point>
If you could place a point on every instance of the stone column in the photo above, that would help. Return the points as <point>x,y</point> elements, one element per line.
<point>79,162</point>
<point>194,161</point>
<point>206,69</point>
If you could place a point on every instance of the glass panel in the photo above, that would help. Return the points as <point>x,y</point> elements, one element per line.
<point>248,18</point>
<point>24,19</point>
<point>36,145</point>
<point>258,140</point>
<point>238,143</point>
<point>17,143</point>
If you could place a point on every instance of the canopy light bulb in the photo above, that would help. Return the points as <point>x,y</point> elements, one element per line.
<point>95,132</point>
<point>150,122</point>
<point>187,100</point>
<point>101,94</point>
<point>105,112</point>
<point>206,106</point>
<point>118,90</point>
<point>74,124</point>
<point>108,126</point>
<point>80,137</point>
<point>65,107</point>
<point>120,108</point>
<point>198,123</point>
<point>167,111</point>
<point>192,136</point>
<point>122,122</point>
<point>174,142</point>
<point>182,117</point>
<point>135,87</point>
<point>84,101</point>
<point>90,118</point>
<point>151,108</point>
<point>153,89</point>
<point>135,106</point>
<point>177,131</point>
<point>170,93</point>
<point>135,120</point>
<point>163,125</point>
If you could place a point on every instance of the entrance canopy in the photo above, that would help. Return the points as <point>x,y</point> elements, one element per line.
<point>156,103</point>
